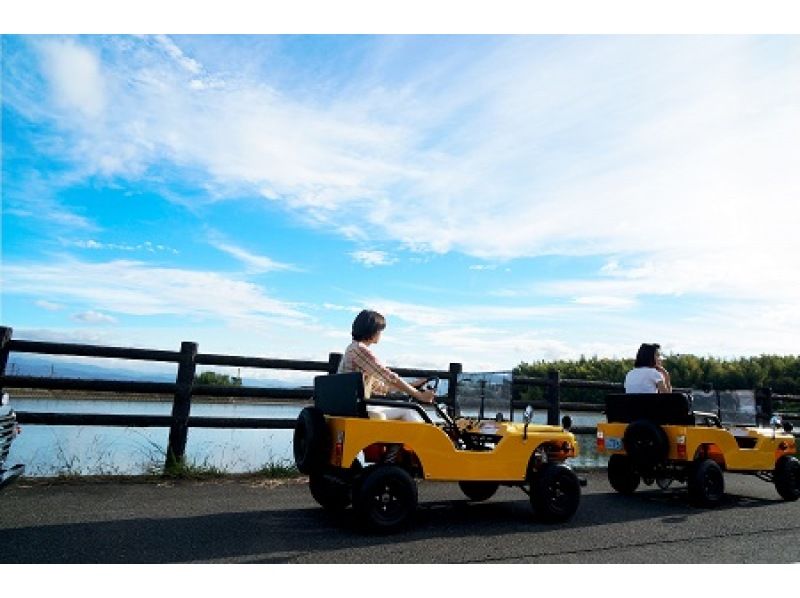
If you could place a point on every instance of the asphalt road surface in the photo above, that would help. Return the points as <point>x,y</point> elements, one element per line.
<point>259,521</point>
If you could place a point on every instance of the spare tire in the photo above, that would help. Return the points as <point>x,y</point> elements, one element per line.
<point>310,442</point>
<point>646,443</point>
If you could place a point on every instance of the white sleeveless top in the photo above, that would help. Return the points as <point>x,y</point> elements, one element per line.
<point>643,380</point>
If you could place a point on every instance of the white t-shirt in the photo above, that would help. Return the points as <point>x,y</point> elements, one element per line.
<point>643,380</point>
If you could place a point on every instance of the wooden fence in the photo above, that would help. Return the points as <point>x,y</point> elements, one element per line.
<point>184,388</point>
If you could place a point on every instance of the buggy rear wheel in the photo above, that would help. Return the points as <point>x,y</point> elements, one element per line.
<point>478,491</point>
<point>706,483</point>
<point>556,493</point>
<point>787,477</point>
<point>621,474</point>
<point>333,491</point>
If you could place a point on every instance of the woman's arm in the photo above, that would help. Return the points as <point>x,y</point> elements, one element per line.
<point>423,396</point>
<point>665,385</point>
<point>367,362</point>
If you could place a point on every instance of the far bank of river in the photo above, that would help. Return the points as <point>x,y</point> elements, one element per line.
<point>98,450</point>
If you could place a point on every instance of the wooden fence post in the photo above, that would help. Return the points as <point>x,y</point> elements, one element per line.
<point>181,405</point>
<point>5,339</point>
<point>553,397</point>
<point>333,362</point>
<point>452,399</point>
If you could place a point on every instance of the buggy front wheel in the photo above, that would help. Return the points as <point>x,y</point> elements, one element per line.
<point>787,477</point>
<point>556,493</point>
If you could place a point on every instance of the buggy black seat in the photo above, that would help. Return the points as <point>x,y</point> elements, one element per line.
<point>661,408</point>
<point>340,394</point>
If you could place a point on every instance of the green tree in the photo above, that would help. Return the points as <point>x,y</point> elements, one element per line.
<point>217,379</point>
<point>781,373</point>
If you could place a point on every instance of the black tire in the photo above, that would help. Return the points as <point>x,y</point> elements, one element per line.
<point>556,493</point>
<point>386,499</point>
<point>478,491</point>
<point>646,444</point>
<point>621,474</point>
<point>706,483</point>
<point>333,491</point>
<point>310,441</point>
<point>787,477</point>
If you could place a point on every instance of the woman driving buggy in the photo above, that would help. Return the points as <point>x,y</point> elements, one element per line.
<point>378,379</point>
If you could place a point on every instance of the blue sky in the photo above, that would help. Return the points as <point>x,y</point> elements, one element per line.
<point>499,198</point>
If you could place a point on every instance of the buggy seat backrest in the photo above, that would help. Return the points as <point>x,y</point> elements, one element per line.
<point>673,408</point>
<point>340,394</point>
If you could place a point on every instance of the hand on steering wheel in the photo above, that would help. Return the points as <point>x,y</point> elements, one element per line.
<point>431,383</point>
<point>428,388</point>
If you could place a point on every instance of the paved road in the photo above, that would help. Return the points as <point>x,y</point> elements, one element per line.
<point>249,521</point>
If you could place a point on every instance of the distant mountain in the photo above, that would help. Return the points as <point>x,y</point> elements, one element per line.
<point>30,365</point>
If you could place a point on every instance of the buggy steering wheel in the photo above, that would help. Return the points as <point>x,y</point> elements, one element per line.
<point>450,427</point>
<point>431,383</point>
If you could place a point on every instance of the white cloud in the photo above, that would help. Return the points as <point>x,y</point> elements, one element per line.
<point>345,308</point>
<point>371,258</point>
<point>94,317</point>
<point>49,305</point>
<point>75,75</point>
<point>146,246</point>
<point>137,289</point>
<point>605,301</point>
<point>191,65</point>
<point>660,148</point>
<point>672,158</point>
<point>254,262</point>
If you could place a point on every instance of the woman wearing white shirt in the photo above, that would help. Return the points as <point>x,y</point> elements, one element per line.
<point>648,374</point>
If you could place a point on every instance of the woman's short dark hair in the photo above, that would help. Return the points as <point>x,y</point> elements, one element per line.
<point>646,355</point>
<point>367,324</point>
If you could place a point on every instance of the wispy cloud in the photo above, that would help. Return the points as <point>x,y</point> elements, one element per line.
<point>372,258</point>
<point>94,317</point>
<point>146,246</point>
<point>49,305</point>
<point>136,289</point>
<point>668,162</point>
<point>699,143</point>
<point>255,263</point>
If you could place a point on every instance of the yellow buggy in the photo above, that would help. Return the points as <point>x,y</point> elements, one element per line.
<point>374,464</point>
<point>661,438</point>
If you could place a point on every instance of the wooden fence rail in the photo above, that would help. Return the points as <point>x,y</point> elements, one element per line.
<point>184,388</point>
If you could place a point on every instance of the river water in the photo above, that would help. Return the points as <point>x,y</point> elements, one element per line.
<point>96,450</point>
